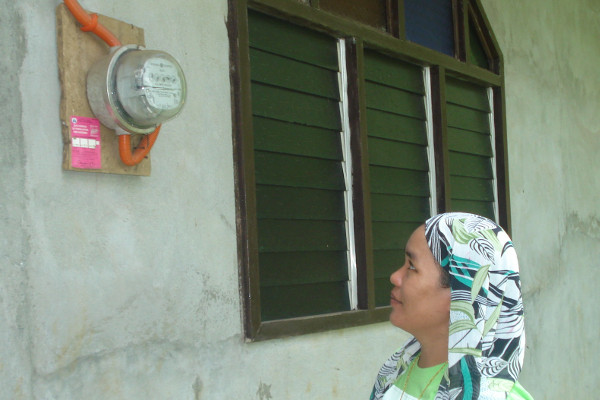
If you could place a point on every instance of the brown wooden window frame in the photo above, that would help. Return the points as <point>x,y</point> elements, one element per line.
<point>468,13</point>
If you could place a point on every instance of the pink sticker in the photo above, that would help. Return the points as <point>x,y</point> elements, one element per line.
<point>85,143</point>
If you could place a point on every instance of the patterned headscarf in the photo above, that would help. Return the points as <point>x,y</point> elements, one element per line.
<point>486,342</point>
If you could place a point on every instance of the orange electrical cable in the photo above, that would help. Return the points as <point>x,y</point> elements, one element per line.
<point>140,152</point>
<point>90,24</point>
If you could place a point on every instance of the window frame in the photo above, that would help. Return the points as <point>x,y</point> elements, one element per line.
<point>358,37</point>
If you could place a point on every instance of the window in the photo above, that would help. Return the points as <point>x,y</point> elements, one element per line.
<point>347,136</point>
<point>430,23</point>
<point>299,170</point>
<point>370,12</point>
<point>397,142</point>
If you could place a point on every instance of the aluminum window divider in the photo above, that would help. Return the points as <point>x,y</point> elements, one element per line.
<point>490,93</point>
<point>347,170</point>
<point>430,150</point>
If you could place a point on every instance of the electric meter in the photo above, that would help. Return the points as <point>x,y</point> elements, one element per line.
<point>133,90</point>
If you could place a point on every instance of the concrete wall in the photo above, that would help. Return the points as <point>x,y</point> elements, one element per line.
<point>115,287</point>
<point>553,97</point>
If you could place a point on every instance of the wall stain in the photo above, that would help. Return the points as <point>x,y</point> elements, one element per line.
<point>14,216</point>
<point>334,390</point>
<point>197,387</point>
<point>224,219</point>
<point>589,227</point>
<point>264,392</point>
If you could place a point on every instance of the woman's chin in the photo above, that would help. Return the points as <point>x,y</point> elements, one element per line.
<point>396,319</point>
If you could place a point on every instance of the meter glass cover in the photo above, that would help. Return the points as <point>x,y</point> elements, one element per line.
<point>150,87</point>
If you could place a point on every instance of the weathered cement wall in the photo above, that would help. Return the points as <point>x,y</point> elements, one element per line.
<point>116,287</point>
<point>553,96</point>
<point>15,363</point>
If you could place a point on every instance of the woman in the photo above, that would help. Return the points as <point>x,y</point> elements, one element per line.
<point>459,295</point>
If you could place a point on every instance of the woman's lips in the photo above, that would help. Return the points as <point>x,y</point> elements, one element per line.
<point>394,299</point>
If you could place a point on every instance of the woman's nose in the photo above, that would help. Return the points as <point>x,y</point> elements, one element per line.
<point>396,277</point>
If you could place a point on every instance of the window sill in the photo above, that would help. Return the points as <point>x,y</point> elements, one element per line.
<point>319,323</point>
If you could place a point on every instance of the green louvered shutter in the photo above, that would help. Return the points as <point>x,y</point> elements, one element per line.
<point>470,145</point>
<point>298,168</point>
<point>398,163</point>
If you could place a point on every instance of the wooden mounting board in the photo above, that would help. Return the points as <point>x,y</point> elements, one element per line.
<point>77,52</point>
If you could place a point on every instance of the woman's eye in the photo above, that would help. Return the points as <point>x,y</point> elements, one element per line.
<point>410,266</point>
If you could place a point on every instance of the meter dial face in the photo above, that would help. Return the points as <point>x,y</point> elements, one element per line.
<point>161,84</point>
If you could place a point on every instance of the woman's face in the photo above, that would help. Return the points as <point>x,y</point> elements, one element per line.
<point>420,305</point>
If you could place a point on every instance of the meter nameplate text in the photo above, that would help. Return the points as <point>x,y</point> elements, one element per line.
<point>161,84</point>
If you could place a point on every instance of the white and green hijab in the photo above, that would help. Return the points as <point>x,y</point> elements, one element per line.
<point>487,337</point>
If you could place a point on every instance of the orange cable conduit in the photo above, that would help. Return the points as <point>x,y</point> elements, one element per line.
<point>90,24</point>
<point>140,152</point>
